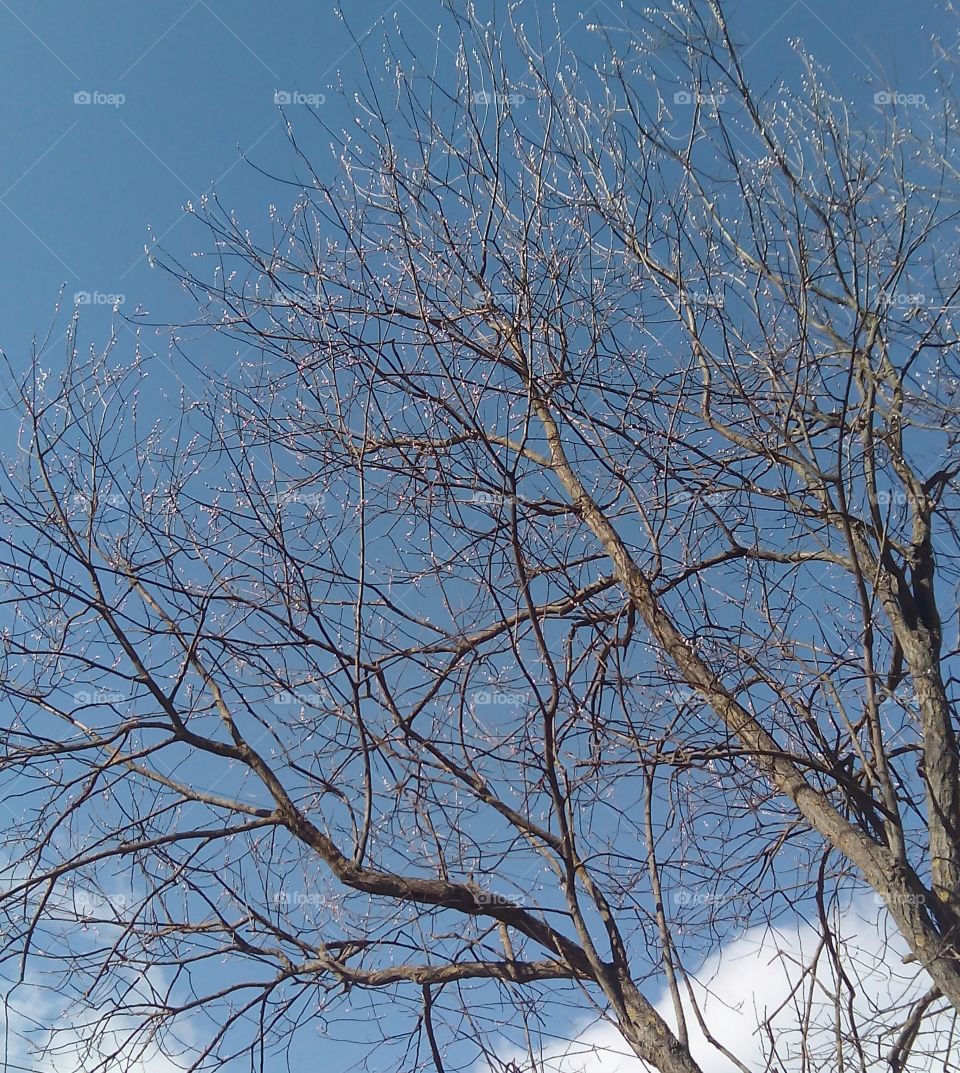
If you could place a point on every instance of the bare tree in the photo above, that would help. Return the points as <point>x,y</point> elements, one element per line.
<point>559,579</point>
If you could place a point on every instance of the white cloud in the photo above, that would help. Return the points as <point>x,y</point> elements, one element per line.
<point>42,1035</point>
<point>763,975</point>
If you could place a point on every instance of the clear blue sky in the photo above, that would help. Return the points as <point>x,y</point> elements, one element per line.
<point>181,88</point>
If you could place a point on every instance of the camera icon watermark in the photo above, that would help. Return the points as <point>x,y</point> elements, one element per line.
<point>95,96</point>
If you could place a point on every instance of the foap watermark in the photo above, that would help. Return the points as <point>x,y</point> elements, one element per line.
<point>891,499</point>
<point>485,97</point>
<point>901,299</point>
<point>704,300</point>
<point>291,297</point>
<point>500,697</point>
<point>88,904</point>
<point>494,298</point>
<point>486,897</point>
<point>697,96</point>
<point>313,501</point>
<point>96,96</point>
<point>491,499</point>
<point>894,97</point>
<point>687,897</point>
<point>294,96</point>
<point>97,298</point>
<point>85,502</point>
<point>288,898</point>
<point>681,695</point>
<point>712,499</point>
<point>98,696</point>
<point>309,698</point>
<point>890,899</point>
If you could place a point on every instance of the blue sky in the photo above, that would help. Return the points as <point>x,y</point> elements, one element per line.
<point>83,187</point>
<point>177,91</point>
